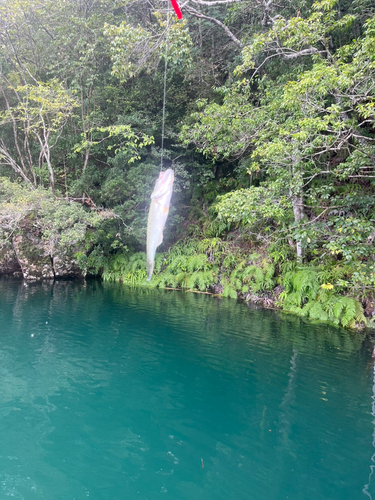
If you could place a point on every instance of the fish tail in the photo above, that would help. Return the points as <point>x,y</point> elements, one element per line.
<point>149,269</point>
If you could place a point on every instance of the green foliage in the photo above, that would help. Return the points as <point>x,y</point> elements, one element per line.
<point>300,131</point>
<point>212,245</point>
<point>248,206</point>
<point>171,270</point>
<point>300,287</point>
<point>43,105</point>
<point>350,239</point>
<point>201,280</point>
<point>133,48</point>
<point>122,139</point>
<point>229,291</point>
<point>304,295</point>
<point>186,271</point>
<point>130,270</point>
<point>63,227</point>
<point>253,278</point>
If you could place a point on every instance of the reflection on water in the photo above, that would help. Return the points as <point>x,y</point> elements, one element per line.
<point>366,489</point>
<point>111,393</point>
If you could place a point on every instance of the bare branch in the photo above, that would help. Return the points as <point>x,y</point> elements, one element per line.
<point>214,2</point>
<point>371,238</point>
<point>7,159</point>
<point>296,54</point>
<point>198,14</point>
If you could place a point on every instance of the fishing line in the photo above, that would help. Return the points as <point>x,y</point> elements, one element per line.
<point>164,94</point>
<point>179,16</point>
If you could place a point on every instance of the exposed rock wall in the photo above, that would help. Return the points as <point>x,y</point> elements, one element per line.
<point>29,258</point>
<point>32,257</point>
<point>9,264</point>
<point>65,267</point>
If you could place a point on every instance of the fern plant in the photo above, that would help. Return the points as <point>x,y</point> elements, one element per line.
<point>160,262</point>
<point>349,312</point>
<point>212,246</point>
<point>229,291</point>
<point>182,279</point>
<point>130,270</point>
<point>201,280</point>
<point>198,262</point>
<point>254,278</point>
<point>177,263</point>
<point>230,260</point>
<point>300,287</point>
<point>304,295</point>
<point>134,277</point>
<point>165,280</point>
<point>186,271</point>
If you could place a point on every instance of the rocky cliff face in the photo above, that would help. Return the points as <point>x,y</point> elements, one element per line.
<point>28,257</point>
<point>9,264</point>
<point>32,257</point>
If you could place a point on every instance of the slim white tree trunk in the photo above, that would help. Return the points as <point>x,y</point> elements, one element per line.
<point>299,214</point>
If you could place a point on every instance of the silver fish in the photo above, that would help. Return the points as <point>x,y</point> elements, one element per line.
<point>157,216</point>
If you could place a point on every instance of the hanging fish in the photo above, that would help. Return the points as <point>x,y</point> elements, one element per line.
<point>157,216</point>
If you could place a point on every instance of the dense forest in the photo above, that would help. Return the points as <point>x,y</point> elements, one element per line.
<point>269,128</point>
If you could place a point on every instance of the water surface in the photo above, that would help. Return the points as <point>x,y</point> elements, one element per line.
<point>112,393</point>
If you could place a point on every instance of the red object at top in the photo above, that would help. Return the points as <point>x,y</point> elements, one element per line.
<point>176,9</point>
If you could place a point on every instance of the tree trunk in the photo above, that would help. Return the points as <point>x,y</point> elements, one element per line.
<point>299,214</point>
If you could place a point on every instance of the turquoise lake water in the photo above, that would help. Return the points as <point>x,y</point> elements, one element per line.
<point>113,393</point>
